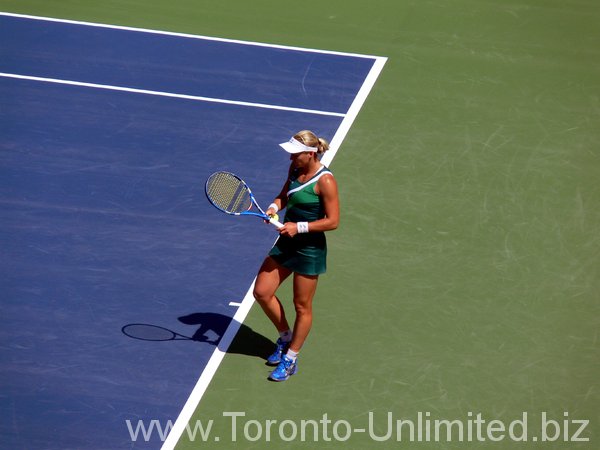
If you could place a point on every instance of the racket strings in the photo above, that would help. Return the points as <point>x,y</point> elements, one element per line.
<point>228,193</point>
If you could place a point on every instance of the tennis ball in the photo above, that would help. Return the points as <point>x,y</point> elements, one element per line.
<point>276,217</point>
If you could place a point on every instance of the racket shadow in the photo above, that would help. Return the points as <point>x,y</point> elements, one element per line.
<point>210,328</point>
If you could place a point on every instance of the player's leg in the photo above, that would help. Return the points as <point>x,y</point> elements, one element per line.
<point>269,278</point>
<point>305,287</point>
<point>304,291</point>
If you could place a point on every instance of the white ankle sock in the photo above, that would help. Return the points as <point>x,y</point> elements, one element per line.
<point>292,355</point>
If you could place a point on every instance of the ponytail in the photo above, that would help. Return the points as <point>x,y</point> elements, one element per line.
<point>323,146</point>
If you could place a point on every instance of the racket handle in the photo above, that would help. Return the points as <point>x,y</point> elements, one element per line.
<point>277,223</point>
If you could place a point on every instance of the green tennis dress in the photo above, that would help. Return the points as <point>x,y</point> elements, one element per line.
<point>305,253</point>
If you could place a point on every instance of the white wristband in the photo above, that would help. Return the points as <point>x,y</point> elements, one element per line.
<point>302,227</point>
<point>273,206</point>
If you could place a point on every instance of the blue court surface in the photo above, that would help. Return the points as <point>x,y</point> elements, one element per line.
<point>107,136</point>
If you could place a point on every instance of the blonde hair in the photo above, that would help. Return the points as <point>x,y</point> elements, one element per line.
<point>310,139</point>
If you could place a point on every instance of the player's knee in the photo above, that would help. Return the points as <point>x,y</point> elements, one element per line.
<point>303,309</point>
<point>261,295</point>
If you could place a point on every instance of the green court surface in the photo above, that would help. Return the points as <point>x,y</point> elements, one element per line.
<point>464,279</point>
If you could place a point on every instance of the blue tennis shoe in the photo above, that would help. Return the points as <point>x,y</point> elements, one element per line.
<point>285,369</point>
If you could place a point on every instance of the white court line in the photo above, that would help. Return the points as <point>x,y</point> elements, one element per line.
<point>168,94</point>
<point>219,353</point>
<point>209,372</point>
<point>217,357</point>
<point>183,35</point>
<point>353,111</point>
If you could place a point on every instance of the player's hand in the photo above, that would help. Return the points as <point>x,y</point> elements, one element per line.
<point>272,214</point>
<point>290,229</point>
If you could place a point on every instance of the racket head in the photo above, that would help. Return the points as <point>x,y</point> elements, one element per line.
<point>147,332</point>
<point>228,193</point>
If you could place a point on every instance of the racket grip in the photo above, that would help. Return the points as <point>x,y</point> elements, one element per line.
<point>277,223</point>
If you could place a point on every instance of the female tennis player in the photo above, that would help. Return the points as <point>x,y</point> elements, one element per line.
<point>310,196</point>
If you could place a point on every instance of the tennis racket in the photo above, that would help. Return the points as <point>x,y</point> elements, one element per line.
<point>229,193</point>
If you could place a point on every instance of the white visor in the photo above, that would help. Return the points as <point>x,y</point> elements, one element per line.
<point>294,146</point>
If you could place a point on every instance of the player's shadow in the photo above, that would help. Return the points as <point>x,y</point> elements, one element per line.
<point>210,329</point>
<point>246,341</point>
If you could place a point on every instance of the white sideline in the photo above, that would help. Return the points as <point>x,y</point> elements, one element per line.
<point>219,353</point>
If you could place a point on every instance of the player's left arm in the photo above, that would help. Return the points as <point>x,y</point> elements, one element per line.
<point>327,189</point>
